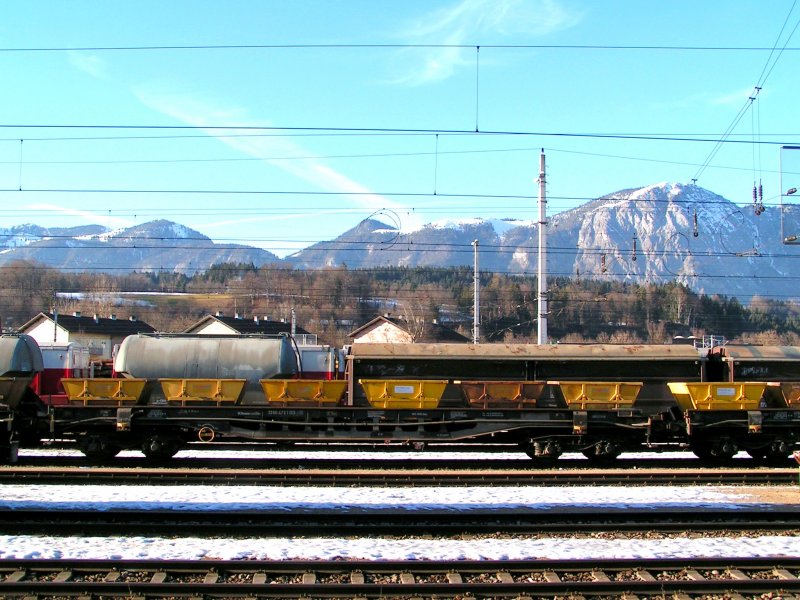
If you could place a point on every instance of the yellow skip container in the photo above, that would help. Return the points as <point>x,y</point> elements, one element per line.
<point>599,395</point>
<point>299,392</point>
<point>403,393</point>
<point>718,395</point>
<point>207,391</point>
<point>86,391</point>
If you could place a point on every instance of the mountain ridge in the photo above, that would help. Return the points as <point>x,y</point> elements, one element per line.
<point>652,234</point>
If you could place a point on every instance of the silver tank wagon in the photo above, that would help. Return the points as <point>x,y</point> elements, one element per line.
<point>253,358</point>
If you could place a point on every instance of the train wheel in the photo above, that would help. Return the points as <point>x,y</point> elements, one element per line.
<point>544,453</point>
<point>158,448</point>
<point>603,451</point>
<point>98,448</point>
<point>717,451</point>
<point>778,450</point>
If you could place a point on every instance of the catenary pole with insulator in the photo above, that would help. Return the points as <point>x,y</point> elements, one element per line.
<point>476,313</point>
<point>542,265</point>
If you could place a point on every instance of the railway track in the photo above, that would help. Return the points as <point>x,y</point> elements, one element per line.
<point>376,477</point>
<point>685,578</point>
<point>315,522</point>
<point>352,459</point>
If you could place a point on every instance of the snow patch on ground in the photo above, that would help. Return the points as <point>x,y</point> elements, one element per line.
<point>145,548</point>
<point>276,499</point>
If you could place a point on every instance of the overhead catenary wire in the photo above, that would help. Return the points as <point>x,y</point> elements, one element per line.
<point>691,138</point>
<point>436,153</point>
<point>391,244</point>
<point>364,133</point>
<point>769,65</point>
<point>331,46</point>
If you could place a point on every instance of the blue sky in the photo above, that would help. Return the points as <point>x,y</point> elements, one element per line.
<point>359,107</point>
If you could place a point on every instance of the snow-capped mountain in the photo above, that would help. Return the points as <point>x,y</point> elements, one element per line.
<point>154,246</point>
<point>670,231</point>
<point>659,233</point>
<point>24,235</point>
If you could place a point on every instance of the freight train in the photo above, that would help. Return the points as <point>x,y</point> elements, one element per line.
<point>172,391</point>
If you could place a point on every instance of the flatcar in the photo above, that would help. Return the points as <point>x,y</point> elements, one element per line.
<point>600,400</point>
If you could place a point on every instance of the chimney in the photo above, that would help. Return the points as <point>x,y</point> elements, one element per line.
<point>266,318</point>
<point>96,318</point>
<point>237,316</point>
<point>255,319</point>
<point>113,317</point>
<point>219,314</point>
<point>132,318</point>
<point>77,313</point>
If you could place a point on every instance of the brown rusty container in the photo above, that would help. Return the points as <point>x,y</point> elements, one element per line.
<point>502,394</point>
<point>303,392</point>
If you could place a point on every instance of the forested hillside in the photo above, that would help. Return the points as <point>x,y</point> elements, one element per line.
<point>333,302</point>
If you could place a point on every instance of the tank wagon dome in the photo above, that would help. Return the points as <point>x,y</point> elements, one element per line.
<point>19,356</point>
<point>205,357</point>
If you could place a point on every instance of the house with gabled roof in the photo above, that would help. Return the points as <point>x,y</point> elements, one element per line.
<point>387,329</point>
<point>98,334</point>
<point>219,324</point>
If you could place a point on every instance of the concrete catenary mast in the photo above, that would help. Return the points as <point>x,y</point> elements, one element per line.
<point>476,312</point>
<point>542,278</point>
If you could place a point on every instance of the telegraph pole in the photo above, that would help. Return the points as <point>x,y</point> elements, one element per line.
<point>542,278</point>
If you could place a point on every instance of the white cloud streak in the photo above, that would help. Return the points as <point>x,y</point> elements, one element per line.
<point>473,22</point>
<point>204,113</point>
<point>88,63</point>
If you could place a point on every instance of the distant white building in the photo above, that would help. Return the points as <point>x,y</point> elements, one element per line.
<point>219,324</point>
<point>98,334</point>
<point>393,330</point>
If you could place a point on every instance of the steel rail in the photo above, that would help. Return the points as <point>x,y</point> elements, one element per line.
<point>349,579</point>
<point>375,477</point>
<point>358,521</point>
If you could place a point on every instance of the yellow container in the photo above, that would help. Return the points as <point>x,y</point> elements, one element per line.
<point>599,395</point>
<point>403,393</point>
<point>216,391</point>
<point>718,395</point>
<point>103,390</point>
<point>502,393</point>
<point>303,391</point>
